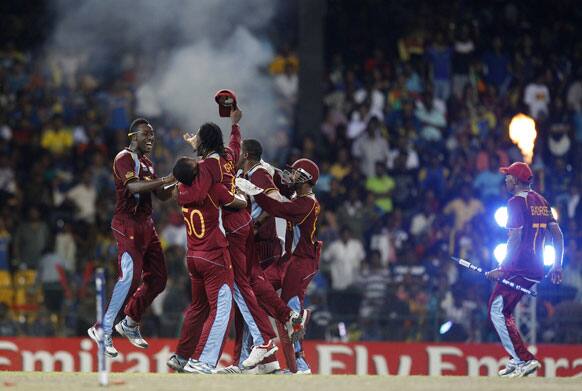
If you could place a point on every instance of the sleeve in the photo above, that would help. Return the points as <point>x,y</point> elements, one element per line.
<point>124,168</point>
<point>197,192</point>
<point>221,194</point>
<point>262,179</point>
<point>514,213</point>
<point>235,142</point>
<point>295,211</point>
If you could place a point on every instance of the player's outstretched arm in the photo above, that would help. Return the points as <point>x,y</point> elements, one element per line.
<point>164,193</point>
<point>558,241</point>
<point>140,186</point>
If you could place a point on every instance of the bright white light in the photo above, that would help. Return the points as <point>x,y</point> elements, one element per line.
<point>555,213</point>
<point>445,327</point>
<point>549,255</point>
<point>501,216</point>
<point>500,252</point>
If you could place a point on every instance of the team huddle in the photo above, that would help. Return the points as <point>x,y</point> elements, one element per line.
<point>251,232</point>
<point>242,249</point>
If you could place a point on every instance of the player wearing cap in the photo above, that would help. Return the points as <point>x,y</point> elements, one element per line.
<point>302,212</point>
<point>217,166</point>
<point>268,241</point>
<point>529,220</point>
<point>140,257</point>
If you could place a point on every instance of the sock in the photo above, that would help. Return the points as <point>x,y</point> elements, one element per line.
<point>130,322</point>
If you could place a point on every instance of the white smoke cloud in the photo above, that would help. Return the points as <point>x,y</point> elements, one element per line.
<point>201,45</point>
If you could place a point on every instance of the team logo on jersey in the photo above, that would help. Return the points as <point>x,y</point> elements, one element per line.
<point>229,167</point>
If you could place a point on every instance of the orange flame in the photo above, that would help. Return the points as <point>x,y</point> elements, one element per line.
<point>522,131</point>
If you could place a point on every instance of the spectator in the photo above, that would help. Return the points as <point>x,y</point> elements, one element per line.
<point>84,196</point>
<point>371,147</point>
<point>5,239</point>
<point>381,186</point>
<point>8,327</point>
<point>57,138</point>
<point>464,49</point>
<point>488,183</point>
<point>464,208</point>
<point>31,239</point>
<point>537,97</point>
<point>439,58</point>
<point>431,118</point>
<point>287,85</point>
<point>345,257</point>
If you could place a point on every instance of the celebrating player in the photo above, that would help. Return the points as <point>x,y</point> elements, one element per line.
<point>530,218</point>
<point>140,257</point>
<point>209,264</point>
<point>217,166</point>
<point>302,211</point>
<point>268,249</point>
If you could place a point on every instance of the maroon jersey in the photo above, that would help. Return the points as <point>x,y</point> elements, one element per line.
<point>129,166</point>
<point>205,236</point>
<point>531,212</point>
<point>302,213</point>
<point>260,177</point>
<point>217,169</point>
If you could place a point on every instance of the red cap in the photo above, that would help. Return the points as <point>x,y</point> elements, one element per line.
<point>519,170</point>
<point>226,100</point>
<point>308,169</point>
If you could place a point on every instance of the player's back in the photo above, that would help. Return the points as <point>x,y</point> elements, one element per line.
<point>530,211</point>
<point>223,170</point>
<point>205,235</point>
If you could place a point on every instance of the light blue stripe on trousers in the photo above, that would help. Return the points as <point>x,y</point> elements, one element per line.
<point>119,292</point>
<point>498,320</point>
<point>295,305</point>
<point>247,316</point>
<point>218,330</point>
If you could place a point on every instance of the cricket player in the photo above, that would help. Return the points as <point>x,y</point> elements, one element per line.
<point>209,265</point>
<point>302,211</point>
<point>530,220</point>
<point>218,166</point>
<point>267,248</point>
<point>140,257</point>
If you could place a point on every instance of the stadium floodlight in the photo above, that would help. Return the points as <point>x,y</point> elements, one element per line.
<point>445,327</point>
<point>555,213</point>
<point>500,252</point>
<point>549,255</point>
<point>501,216</point>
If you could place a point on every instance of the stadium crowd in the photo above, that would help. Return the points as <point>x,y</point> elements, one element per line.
<point>413,135</point>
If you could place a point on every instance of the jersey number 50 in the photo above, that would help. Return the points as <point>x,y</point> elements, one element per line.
<point>189,220</point>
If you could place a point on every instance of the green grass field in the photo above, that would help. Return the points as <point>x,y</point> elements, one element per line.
<point>151,381</point>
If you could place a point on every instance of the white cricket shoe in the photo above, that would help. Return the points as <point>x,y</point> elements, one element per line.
<point>132,333</point>
<point>264,369</point>
<point>509,368</point>
<point>198,368</point>
<point>525,369</point>
<point>230,370</point>
<point>110,350</point>
<point>259,353</point>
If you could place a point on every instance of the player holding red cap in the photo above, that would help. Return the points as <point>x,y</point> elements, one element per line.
<point>530,217</point>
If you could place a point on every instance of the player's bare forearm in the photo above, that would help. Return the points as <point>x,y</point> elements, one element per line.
<point>139,186</point>
<point>163,193</point>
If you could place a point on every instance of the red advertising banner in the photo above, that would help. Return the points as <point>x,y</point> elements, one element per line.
<point>382,358</point>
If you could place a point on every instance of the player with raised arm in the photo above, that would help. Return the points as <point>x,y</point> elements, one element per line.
<point>140,258</point>
<point>302,211</point>
<point>218,166</point>
<point>530,219</point>
<point>209,265</point>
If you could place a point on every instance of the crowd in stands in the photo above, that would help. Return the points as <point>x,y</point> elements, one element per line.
<point>413,135</point>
